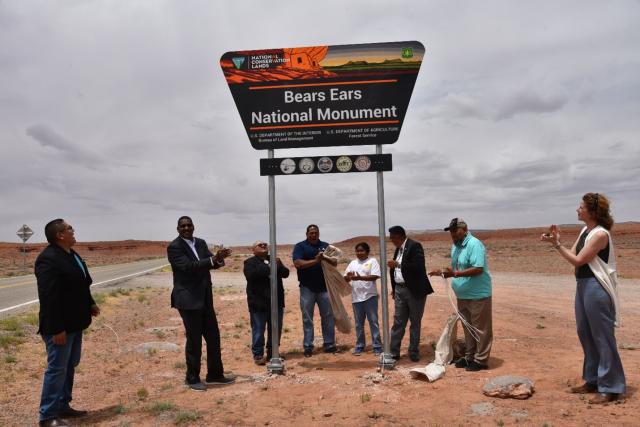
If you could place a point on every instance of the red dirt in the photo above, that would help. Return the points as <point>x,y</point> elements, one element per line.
<point>534,331</point>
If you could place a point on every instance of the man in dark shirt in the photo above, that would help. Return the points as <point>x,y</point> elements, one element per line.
<point>257,271</point>
<point>66,307</point>
<point>307,256</point>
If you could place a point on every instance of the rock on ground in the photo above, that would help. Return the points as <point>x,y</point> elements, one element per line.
<point>509,386</point>
<point>157,346</point>
<point>483,408</point>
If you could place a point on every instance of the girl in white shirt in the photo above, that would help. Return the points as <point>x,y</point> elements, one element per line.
<point>362,274</point>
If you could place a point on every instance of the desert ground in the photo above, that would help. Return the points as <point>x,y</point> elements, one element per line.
<point>132,369</point>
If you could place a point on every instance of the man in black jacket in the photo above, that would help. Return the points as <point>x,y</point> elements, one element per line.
<point>257,271</point>
<point>66,307</point>
<point>410,287</point>
<point>191,262</point>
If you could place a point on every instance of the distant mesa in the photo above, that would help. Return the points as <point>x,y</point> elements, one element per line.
<point>387,64</point>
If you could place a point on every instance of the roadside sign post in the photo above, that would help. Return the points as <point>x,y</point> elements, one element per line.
<point>322,96</point>
<point>386,359</point>
<point>24,232</point>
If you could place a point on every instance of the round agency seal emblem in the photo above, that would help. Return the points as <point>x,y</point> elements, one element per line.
<point>306,165</point>
<point>363,163</point>
<point>287,166</point>
<point>344,164</point>
<point>325,164</point>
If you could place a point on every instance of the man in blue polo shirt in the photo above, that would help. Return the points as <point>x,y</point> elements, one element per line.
<point>472,285</point>
<point>307,256</point>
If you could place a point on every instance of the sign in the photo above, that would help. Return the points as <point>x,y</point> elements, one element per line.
<point>326,164</point>
<point>24,232</point>
<point>323,95</point>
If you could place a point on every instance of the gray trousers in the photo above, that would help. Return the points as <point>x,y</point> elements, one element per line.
<point>594,320</point>
<point>478,313</point>
<point>407,307</point>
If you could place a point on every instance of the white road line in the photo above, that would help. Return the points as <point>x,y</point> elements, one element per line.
<point>140,273</point>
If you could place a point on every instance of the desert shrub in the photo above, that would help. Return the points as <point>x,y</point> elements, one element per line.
<point>186,417</point>
<point>159,407</point>
<point>142,393</point>
<point>100,298</point>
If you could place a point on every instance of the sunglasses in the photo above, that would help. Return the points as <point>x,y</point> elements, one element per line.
<point>262,245</point>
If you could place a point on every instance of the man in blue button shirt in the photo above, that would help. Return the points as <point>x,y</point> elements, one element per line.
<point>472,285</point>
<point>307,256</point>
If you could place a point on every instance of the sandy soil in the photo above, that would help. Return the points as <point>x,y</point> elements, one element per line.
<point>534,336</point>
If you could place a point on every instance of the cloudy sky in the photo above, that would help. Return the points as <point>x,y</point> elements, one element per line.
<point>115,116</point>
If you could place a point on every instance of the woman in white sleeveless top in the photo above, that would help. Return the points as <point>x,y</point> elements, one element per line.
<point>596,303</point>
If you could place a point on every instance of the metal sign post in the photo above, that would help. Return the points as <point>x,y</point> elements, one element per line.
<point>275,365</point>
<point>24,232</point>
<point>386,360</point>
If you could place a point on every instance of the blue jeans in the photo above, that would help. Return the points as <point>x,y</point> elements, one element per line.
<point>58,378</point>
<point>308,300</point>
<point>368,309</point>
<point>260,320</point>
<point>594,320</point>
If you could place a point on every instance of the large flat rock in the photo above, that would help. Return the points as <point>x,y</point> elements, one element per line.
<point>509,387</point>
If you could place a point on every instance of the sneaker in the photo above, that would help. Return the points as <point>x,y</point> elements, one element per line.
<point>258,360</point>
<point>474,366</point>
<point>462,363</point>
<point>332,349</point>
<point>196,386</point>
<point>357,352</point>
<point>220,381</point>
<point>377,352</point>
<point>308,352</point>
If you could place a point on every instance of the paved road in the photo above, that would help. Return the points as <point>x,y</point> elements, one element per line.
<point>20,292</point>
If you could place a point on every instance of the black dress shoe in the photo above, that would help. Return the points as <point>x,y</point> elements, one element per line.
<point>53,422</point>
<point>308,352</point>
<point>220,381</point>
<point>332,349</point>
<point>414,357</point>
<point>71,413</point>
<point>462,363</point>
<point>474,366</point>
<point>395,356</point>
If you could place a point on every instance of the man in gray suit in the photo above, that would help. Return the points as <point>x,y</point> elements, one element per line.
<point>410,287</point>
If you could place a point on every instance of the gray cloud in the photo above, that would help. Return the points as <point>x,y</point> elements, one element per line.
<point>72,152</point>
<point>122,124</point>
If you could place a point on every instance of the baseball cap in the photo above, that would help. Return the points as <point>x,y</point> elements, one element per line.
<point>455,224</point>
